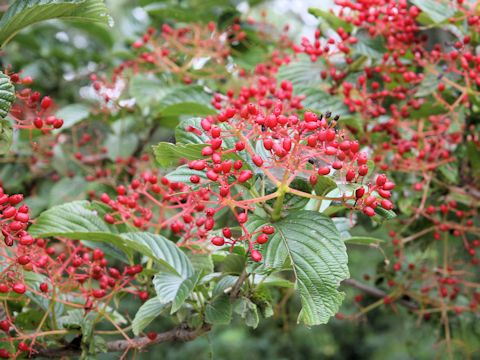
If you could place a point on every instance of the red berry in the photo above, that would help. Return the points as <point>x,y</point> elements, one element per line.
<point>4,354</point>
<point>256,255</point>
<point>262,239</point>
<point>46,103</point>
<point>5,325</point>
<point>44,287</point>
<point>257,160</point>
<point>19,288</point>
<point>98,293</point>
<point>218,241</point>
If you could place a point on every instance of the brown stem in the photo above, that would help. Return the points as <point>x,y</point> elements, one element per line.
<point>181,334</point>
<point>370,290</point>
<point>238,284</point>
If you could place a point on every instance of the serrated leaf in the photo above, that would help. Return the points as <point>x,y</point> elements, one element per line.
<point>80,220</point>
<point>312,245</point>
<point>7,95</point>
<point>184,291</point>
<point>23,13</point>
<point>219,310</point>
<point>148,312</point>
<point>168,154</point>
<point>172,287</point>
<point>163,249</point>
<point>386,214</point>
<point>201,262</point>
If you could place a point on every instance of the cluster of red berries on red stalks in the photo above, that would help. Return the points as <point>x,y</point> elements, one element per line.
<point>31,110</point>
<point>263,129</point>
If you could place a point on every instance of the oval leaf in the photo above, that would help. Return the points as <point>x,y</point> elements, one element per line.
<point>318,257</point>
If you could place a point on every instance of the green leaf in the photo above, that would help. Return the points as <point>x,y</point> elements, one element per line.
<point>219,311</point>
<point>121,145</point>
<point>168,154</point>
<point>171,287</point>
<point>162,250</point>
<point>386,214</point>
<point>318,257</point>
<point>78,220</point>
<point>363,240</point>
<point>248,311</point>
<point>372,47</point>
<point>428,85</point>
<point>185,100</point>
<point>149,310</point>
<point>302,72</point>
<point>67,190</point>
<point>434,11</point>
<point>324,185</point>
<point>23,13</point>
<point>73,114</point>
<point>193,11</point>
<point>331,19</point>
<point>7,95</point>
<point>319,101</point>
<point>184,136</point>
<point>184,291</point>
<point>183,174</point>
<point>165,98</point>
<point>6,136</point>
<point>81,220</point>
<point>201,262</point>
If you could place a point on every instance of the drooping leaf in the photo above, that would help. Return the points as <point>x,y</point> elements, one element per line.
<point>23,13</point>
<point>248,311</point>
<point>78,220</point>
<point>312,245</point>
<point>81,220</point>
<point>219,310</point>
<point>150,310</point>
<point>174,288</point>
<point>164,250</point>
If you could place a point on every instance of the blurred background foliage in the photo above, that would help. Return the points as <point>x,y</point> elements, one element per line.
<point>60,57</point>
